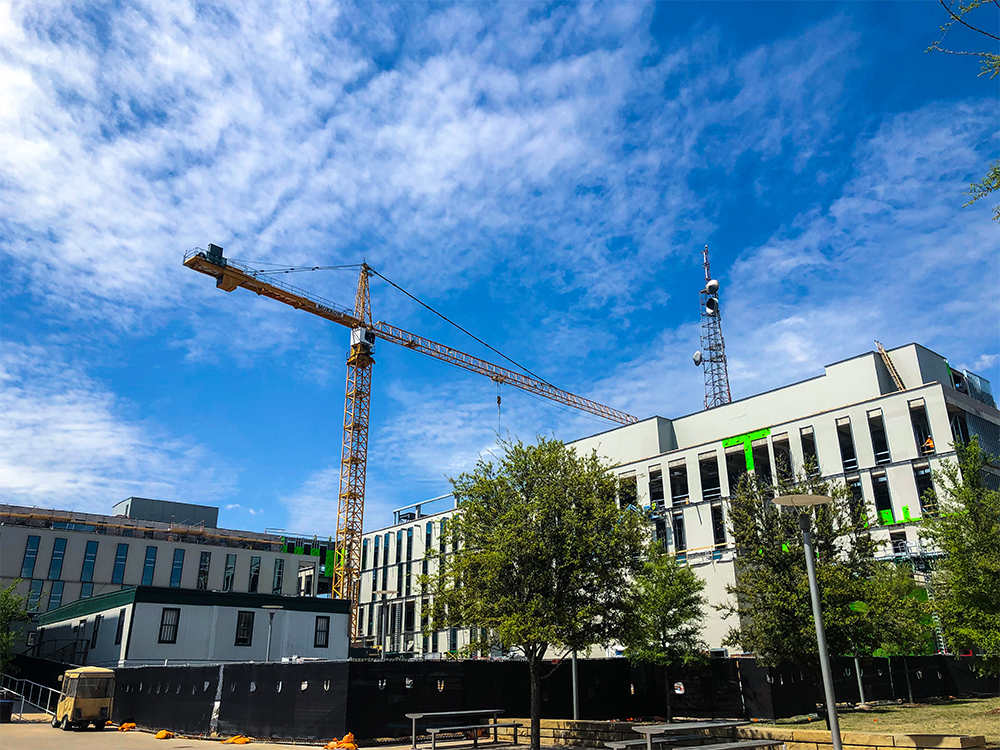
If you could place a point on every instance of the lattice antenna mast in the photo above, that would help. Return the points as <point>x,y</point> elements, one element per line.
<point>713,347</point>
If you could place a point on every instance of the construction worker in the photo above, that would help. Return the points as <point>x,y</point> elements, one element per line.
<point>928,446</point>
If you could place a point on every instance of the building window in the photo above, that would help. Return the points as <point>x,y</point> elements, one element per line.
<point>254,574</point>
<point>761,462</point>
<point>857,499</point>
<point>279,576</point>
<point>441,540</point>
<point>58,554</point>
<point>244,628</point>
<point>434,641</point>
<point>97,626</point>
<point>921,428</point>
<point>30,553</point>
<point>204,564</point>
<point>453,640</point>
<point>89,558</point>
<point>736,466</point>
<point>399,580</point>
<point>371,621</point>
<point>120,629</point>
<point>809,455</point>
<point>782,457</point>
<point>321,638</point>
<point>708,466</point>
<point>678,481</point>
<point>718,525</point>
<point>847,454</point>
<point>409,578</point>
<point>628,490</point>
<point>361,619</point>
<point>656,487</point>
<point>230,575</point>
<point>86,590</point>
<point>879,440</point>
<point>177,568</point>
<point>34,594</point>
<point>409,544</point>
<point>680,541</point>
<point>660,530</point>
<point>428,534</point>
<point>364,554</point>
<point>883,504</point>
<point>925,489</point>
<point>375,554</point>
<point>121,555</point>
<point>170,618</point>
<point>149,566</point>
<point>385,578</point>
<point>959,426</point>
<point>399,546</point>
<point>56,595</point>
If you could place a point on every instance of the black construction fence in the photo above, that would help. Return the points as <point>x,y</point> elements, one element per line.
<point>320,700</point>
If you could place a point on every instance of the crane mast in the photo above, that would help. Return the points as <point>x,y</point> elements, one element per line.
<point>230,275</point>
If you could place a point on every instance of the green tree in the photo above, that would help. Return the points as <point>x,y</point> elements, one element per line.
<point>960,19</point>
<point>967,530</point>
<point>668,617</point>
<point>12,611</point>
<point>543,558</point>
<point>863,610</point>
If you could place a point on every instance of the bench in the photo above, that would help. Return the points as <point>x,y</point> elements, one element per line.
<point>664,739</point>
<point>448,716</point>
<point>740,745</point>
<point>475,729</point>
<point>685,726</point>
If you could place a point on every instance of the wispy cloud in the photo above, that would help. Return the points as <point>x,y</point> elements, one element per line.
<point>67,442</point>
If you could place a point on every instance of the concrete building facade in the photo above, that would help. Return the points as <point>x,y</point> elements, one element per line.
<point>63,556</point>
<point>153,625</point>
<point>853,422</point>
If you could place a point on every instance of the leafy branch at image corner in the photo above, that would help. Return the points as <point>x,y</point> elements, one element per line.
<point>989,65</point>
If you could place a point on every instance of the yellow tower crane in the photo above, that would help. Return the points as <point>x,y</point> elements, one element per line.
<point>230,275</point>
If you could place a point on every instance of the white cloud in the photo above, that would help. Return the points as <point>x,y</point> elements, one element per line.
<point>67,442</point>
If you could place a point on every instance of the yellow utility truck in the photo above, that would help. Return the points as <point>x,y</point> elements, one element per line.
<point>85,698</point>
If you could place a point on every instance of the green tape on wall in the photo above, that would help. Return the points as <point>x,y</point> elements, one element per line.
<point>746,439</point>
<point>886,516</point>
<point>906,513</point>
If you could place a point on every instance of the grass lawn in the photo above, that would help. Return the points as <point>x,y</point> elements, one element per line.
<point>958,716</point>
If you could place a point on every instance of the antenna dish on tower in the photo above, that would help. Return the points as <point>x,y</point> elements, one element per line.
<point>697,359</point>
<point>712,287</point>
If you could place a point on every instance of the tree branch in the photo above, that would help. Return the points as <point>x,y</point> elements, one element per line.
<point>968,26</point>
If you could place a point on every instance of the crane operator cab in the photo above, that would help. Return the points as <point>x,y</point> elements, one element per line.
<point>85,698</point>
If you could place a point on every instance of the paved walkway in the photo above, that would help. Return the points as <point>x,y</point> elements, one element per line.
<point>34,733</point>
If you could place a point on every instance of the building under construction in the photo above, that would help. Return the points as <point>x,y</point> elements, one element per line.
<point>880,422</point>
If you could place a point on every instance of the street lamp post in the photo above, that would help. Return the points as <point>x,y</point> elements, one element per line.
<point>272,609</point>
<point>801,502</point>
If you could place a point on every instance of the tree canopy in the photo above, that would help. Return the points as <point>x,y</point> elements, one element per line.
<point>544,556</point>
<point>12,610</point>
<point>967,530</point>
<point>866,604</point>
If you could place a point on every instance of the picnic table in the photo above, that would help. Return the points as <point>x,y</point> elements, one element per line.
<point>685,726</point>
<point>438,715</point>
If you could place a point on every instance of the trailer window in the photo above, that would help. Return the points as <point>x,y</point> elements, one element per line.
<point>94,687</point>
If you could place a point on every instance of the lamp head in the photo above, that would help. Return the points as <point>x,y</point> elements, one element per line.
<point>802,501</point>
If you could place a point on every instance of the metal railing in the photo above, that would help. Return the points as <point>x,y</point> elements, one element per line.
<point>30,694</point>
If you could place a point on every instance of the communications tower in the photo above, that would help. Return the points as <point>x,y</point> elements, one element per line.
<point>712,356</point>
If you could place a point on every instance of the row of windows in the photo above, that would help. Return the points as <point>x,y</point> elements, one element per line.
<point>754,455</point>
<point>381,544</point>
<point>148,569</point>
<point>170,618</point>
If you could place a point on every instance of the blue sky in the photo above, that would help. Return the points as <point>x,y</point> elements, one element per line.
<point>544,174</point>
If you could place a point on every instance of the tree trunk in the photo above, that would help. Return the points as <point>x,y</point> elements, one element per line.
<point>535,677</point>
<point>670,690</point>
